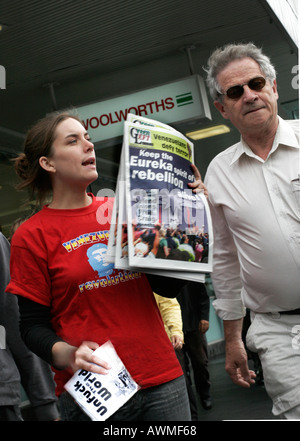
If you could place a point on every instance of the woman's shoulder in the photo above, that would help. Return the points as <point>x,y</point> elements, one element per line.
<point>28,229</point>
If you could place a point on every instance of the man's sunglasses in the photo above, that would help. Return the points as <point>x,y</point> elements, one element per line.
<point>235,92</point>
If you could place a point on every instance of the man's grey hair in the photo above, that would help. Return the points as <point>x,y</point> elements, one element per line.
<point>221,57</point>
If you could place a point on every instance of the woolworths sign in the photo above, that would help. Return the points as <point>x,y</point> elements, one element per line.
<point>173,103</point>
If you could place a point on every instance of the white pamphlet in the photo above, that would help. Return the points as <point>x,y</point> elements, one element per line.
<point>99,395</point>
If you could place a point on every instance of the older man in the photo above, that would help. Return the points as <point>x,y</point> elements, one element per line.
<point>254,198</point>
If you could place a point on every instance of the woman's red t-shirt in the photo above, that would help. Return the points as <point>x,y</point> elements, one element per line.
<point>57,261</point>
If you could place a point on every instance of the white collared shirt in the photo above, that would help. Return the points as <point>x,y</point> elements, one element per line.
<point>255,208</point>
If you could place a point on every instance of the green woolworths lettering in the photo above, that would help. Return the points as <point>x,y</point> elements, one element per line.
<point>184,99</point>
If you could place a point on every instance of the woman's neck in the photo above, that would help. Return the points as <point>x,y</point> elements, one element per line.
<point>72,200</point>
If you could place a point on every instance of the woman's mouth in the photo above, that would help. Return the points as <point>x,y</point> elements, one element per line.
<point>90,162</point>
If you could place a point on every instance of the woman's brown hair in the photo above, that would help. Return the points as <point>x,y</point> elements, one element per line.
<point>38,143</point>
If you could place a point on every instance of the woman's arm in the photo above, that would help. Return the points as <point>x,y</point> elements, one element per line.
<point>36,329</point>
<point>38,334</point>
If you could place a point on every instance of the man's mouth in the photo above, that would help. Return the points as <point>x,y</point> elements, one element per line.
<point>253,110</point>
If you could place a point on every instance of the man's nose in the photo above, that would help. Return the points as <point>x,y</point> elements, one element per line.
<point>249,95</point>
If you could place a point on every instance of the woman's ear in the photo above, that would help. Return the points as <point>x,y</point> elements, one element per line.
<point>47,164</point>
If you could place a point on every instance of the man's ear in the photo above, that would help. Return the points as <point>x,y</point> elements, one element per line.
<point>274,87</point>
<point>220,107</point>
<point>47,164</point>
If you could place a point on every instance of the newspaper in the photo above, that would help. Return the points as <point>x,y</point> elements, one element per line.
<point>121,245</point>
<point>154,204</point>
<point>113,248</point>
<point>98,395</point>
<point>112,240</point>
<point>159,225</point>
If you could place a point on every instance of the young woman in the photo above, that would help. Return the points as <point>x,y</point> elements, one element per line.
<point>70,303</point>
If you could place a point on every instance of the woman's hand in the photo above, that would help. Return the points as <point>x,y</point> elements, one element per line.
<point>176,341</point>
<point>83,357</point>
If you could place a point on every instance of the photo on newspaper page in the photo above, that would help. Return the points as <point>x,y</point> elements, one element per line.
<point>121,253</point>
<point>168,225</point>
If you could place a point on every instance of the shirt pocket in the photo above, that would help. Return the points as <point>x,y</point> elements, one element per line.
<point>296,192</point>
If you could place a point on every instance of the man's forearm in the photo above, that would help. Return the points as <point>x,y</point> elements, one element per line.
<point>236,364</point>
<point>233,330</point>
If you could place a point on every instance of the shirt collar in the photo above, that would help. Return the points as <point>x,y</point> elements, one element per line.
<point>285,135</point>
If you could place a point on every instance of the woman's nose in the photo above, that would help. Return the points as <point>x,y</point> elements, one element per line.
<point>88,145</point>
